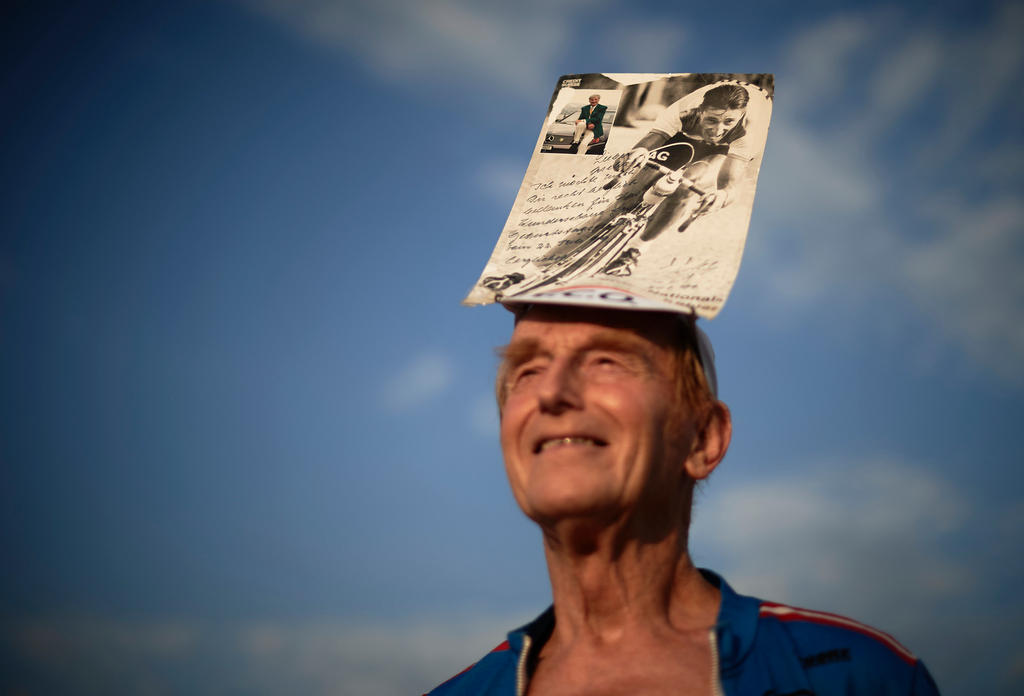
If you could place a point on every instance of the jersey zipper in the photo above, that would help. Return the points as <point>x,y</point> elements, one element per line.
<point>524,655</point>
<point>716,682</point>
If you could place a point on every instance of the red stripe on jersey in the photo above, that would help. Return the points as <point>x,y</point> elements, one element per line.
<point>783,612</point>
<point>501,647</point>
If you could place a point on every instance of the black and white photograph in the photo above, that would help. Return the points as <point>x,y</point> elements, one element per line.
<point>660,216</point>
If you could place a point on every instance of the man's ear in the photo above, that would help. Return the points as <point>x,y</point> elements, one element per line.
<point>711,443</point>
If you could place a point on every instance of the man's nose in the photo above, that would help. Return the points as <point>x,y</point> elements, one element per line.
<point>559,388</point>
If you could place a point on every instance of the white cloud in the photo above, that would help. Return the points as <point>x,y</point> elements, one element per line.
<point>981,69</point>
<point>969,277</point>
<point>510,45</point>
<point>484,416</point>
<point>867,538</point>
<point>820,57</point>
<point>425,377</point>
<point>367,657</point>
<point>45,639</point>
<point>501,178</point>
<point>820,178</point>
<point>816,200</point>
<point>850,223</point>
<point>832,535</point>
<point>880,541</point>
<point>908,73</point>
<point>648,46</point>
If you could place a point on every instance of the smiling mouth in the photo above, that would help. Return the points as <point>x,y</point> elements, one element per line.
<point>564,441</point>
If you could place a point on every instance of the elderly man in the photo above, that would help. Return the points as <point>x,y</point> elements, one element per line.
<point>589,126</point>
<point>608,421</point>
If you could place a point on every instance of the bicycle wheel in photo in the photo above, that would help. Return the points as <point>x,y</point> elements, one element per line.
<point>603,246</point>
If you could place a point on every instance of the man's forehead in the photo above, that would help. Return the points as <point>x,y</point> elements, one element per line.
<point>537,322</point>
<point>542,320</point>
<point>713,111</point>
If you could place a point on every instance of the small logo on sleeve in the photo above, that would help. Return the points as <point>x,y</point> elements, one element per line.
<point>826,658</point>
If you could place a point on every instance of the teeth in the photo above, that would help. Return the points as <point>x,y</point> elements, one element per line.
<point>547,444</point>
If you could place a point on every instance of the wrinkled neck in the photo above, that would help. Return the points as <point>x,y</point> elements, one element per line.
<point>610,581</point>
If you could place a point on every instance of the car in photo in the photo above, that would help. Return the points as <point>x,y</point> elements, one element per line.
<point>559,135</point>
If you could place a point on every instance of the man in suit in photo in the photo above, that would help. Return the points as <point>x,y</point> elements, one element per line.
<point>588,125</point>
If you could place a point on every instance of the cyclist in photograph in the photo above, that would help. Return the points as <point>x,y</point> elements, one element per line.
<point>715,132</point>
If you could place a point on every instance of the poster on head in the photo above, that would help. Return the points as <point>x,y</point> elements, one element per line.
<point>638,194</point>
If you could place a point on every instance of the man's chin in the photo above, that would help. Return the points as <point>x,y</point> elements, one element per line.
<point>551,510</point>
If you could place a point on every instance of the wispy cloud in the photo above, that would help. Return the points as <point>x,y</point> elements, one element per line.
<point>509,46</point>
<point>981,69</point>
<point>820,55</point>
<point>484,416</point>
<point>875,539</point>
<point>969,277</point>
<point>423,378</point>
<point>879,540</point>
<point>632,45</point>
<point>107,655</point>
<point>825,535</point>
<point>910,72</point>
<point>501,178</point>
<point>866,200</point>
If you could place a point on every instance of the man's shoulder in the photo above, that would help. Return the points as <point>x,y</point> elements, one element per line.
<point>842,655</point>
<point>808,626</point>
<point>493,673</point>
<point>767,645</point>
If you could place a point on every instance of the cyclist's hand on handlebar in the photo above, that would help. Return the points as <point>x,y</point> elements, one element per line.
<point>713,200</point>
<point>630,160</point>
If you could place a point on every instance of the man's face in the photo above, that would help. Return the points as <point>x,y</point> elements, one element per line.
<point>590,425</point>
<point>594,100</point>
<point>715,123</point>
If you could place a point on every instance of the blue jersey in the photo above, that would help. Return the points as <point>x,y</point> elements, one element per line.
<point>761,649</point>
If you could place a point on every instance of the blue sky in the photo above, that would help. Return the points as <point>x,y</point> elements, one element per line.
<point>246,430</point>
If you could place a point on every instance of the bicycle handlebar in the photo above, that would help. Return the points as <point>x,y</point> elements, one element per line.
<point>683,181</point>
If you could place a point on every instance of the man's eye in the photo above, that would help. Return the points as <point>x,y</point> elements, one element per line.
<point>606,361</point>
<point>524,374</point>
